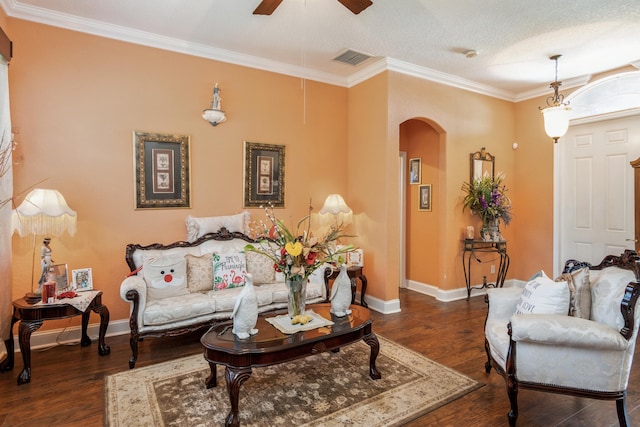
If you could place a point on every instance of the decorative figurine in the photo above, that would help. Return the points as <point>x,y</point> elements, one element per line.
<point>245,311</point>
<point>341,293</point>
<point>45,260</point>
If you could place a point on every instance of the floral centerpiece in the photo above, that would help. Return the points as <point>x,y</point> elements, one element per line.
<point>487,198</point>
<point>297,253</point>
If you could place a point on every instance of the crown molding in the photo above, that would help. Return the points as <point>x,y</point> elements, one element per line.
<point>546,91</point>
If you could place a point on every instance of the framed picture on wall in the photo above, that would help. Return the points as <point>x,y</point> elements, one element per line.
<point>425,198</point>
<point>263,175</point>
<point>162,170</point>
<point>415,171</point>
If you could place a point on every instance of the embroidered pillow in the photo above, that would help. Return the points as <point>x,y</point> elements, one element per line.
<point>166,276</point>
<point>261,267</point>
<point>199,273</point>
<point>198,227</point>
<point>228,270</point>
<point>544,296</point>
<point>579,292</point>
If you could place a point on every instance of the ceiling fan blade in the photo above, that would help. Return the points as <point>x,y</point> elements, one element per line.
<point>356,6</point>
<point>266,7</point>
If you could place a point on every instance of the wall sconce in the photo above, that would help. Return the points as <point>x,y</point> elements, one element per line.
<point>556,115</point>
<point>336,206</point>
<point>215,115</point>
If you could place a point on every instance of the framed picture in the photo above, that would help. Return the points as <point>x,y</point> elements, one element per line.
<point>425,198</point>
<point>162,170</point>
<point>58,272</point>
<point>82,279</point>
<point>263,175</point>
<point>415,171</point>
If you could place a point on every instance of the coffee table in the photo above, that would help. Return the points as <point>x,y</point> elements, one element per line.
<point>270,347</point>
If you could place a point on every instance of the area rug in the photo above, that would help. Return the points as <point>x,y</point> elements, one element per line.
<point>327,389</point>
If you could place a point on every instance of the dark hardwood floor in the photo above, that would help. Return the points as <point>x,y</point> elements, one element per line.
<point>67,381</point>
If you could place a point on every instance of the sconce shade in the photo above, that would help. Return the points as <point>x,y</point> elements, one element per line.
<point>336,206</point>
<point>556,120</point>
<point>214,116</point>
<point>42,212</point>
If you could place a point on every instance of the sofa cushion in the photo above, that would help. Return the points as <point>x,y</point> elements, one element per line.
<point>198,227</point>
<point>261,267</point>
<point>199,273</point>
<point>174,309</point>
<point>579,292</point>
<point>166,276</point>
<point>544,296</point>
<point>229,269</point>
<point>226,299</point>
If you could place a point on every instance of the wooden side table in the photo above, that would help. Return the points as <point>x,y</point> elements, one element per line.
<point>31,318</point>
<point>354,272</point>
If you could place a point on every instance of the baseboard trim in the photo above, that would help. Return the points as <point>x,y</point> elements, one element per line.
<point>452,294</point>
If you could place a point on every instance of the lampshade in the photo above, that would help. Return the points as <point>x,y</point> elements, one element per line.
<point>556,120</point>
<point>336,206</point>
<point>42,212</point>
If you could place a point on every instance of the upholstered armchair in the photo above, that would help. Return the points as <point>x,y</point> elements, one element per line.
<point>583,348</point>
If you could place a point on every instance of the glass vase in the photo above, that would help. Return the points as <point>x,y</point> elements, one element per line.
<point>296,296</point>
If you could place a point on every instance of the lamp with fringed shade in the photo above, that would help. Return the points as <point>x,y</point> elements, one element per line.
<point>42,212</point>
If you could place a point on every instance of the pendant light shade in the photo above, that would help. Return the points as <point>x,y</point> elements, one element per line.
<point>556,115</point>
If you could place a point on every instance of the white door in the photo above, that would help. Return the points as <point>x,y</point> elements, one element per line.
<point>595,203</point>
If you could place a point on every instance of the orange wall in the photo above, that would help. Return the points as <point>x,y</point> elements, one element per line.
<point>76,100</point>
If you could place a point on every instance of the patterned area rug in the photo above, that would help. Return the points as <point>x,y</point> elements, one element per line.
<point>327,389</point>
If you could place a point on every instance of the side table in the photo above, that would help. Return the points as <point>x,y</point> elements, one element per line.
<point>31,317</point>
<point>354,272</point>
<point>472,246</point>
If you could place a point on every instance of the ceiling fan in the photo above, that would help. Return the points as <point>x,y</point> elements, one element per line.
<point>266,7</point>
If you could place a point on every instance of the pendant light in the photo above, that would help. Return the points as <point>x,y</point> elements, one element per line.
<point>556,115</point>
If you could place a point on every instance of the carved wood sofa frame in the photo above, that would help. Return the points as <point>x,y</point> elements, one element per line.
<point>629,260</point>
<point>132,295</point>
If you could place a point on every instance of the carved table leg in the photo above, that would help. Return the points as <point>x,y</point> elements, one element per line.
<point>84,338</point>
<point>235,377</point>
<point>103,311</point>
<point>372,341</point>
<point>363,280</point>
<point>212,381</point>
<point>24,332</point>
<point>354,287</point>
<point>7,364</point>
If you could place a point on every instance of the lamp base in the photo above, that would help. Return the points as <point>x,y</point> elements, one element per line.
<point>32,298</point>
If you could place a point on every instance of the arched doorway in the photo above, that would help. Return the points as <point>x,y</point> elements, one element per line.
<point>420,148</point>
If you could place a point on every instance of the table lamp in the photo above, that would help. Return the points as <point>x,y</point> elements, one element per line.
<point>336,206</point>
<point>42,212</point>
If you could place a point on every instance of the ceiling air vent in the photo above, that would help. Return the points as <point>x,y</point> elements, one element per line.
<point>352,57</point>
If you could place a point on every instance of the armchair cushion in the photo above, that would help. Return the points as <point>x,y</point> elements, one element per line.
<point>607,290</point>
<point>544,296</point>
<point>580,292</point>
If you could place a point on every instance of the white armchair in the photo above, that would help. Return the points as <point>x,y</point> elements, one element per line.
<point>587,353</point>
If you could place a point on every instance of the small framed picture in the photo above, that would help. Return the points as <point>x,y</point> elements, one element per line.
<point>82,280</point>
<point>425,198</point>
<point>415,171</point>
<point>58,273</point>
<point>355,258</point>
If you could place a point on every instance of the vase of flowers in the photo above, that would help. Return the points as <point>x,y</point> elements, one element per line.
<point>487,198</point>
<point>296,252</point>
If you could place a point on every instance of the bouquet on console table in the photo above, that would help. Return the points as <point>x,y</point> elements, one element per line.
<point>297,253</point>
<point>487,198</point>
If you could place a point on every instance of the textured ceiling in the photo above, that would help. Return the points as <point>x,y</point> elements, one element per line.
<point>427,38</point>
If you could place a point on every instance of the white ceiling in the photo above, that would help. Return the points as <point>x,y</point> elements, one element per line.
<point>427,38</point>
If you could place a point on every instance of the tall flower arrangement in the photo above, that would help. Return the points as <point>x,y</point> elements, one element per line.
<point>296,252</point>
<point>487,198</point>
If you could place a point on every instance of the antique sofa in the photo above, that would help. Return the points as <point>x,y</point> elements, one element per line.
<point>175,288</point>
<point>573,335</point>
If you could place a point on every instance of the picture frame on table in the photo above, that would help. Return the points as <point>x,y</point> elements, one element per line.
<point>82,279</point>
<point>425,198</point>
<point>59,274</point>
<point>162,170</point>
<point>263,175</point>
<point>415,170</point>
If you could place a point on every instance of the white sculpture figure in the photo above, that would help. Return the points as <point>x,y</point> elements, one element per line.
<point>245,311</point>
<point>341,293</point>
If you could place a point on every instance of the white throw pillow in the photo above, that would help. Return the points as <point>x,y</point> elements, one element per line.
<point>166,276</point>
<point>542,295</point>
<point>198,227</point>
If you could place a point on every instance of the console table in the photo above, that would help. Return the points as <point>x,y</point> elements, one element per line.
<point>354,272</point>
<point>471,247</point>
<point>31,317</point>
